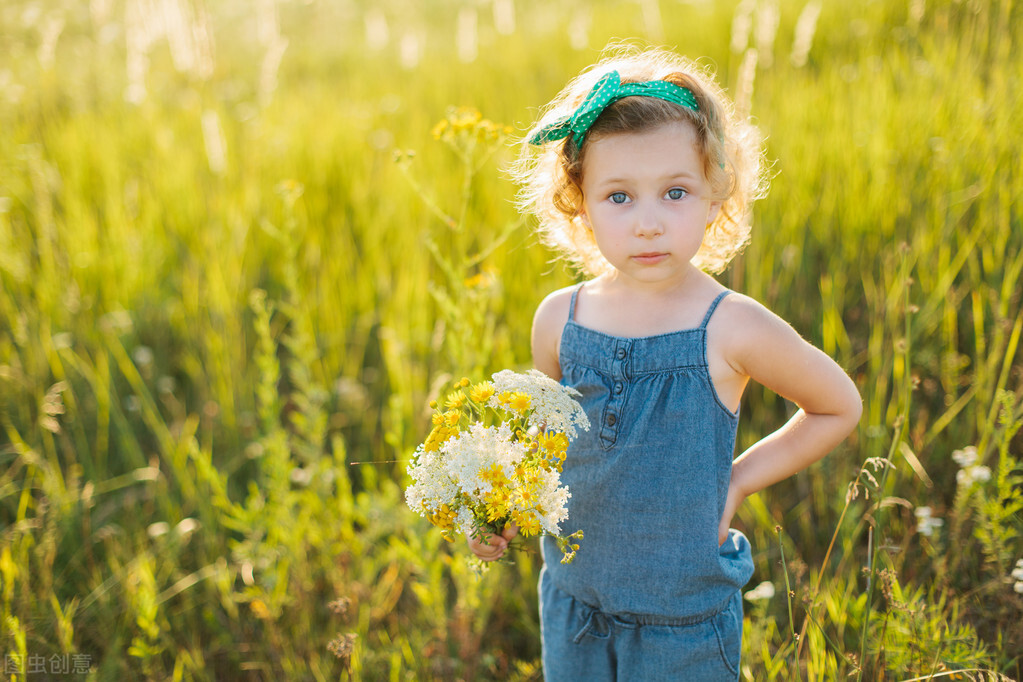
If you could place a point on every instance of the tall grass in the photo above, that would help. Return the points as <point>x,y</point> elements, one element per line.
<point>225,301</point>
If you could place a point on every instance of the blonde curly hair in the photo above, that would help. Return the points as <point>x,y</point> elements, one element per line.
<point>550,175</point>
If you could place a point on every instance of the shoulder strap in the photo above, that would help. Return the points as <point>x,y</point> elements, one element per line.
<point>571,303</point>
<point>713,306</point>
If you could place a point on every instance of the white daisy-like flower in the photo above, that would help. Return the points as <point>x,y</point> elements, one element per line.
<point>553,405</point>
<point>973,474</point>
<point>926,524</point>
<point>966,457</point>
<point>980,474</point>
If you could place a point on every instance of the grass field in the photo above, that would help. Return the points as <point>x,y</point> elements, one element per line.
<point>236,264</point>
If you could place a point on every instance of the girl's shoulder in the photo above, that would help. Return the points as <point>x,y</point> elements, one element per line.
<point>750,336</point>
<point>738,311</point>
<point>548,322</point>
<point>556,307</point>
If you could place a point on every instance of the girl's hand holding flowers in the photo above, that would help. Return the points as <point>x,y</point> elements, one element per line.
<point>491,465</point>
<point>493,546</point>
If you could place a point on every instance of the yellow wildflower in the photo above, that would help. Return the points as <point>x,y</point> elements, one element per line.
<point>481,392</point>
<point>527,522</point>
<point>455,400</point>
<point>259,609</point>
<point>497,504</point>
<point>494,475</point>
<point>521,402</point>
<point>517,402</point>
<point>439,129</point>
<point>452,417</point>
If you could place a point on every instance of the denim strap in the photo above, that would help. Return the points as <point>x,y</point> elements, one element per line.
<point>713,306</point>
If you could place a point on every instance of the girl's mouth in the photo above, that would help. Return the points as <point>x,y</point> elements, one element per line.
<point>650,258</point>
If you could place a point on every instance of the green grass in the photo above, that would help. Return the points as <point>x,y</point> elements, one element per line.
<point>212,367</point>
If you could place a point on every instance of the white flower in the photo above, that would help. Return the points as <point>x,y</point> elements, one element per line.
<point>552,499</point>
<point>1017,572</point>
<point>554,406</point>
<point>477,449</point>
<point>926,525</point>
<point>966,457</point>
<point>464,521</point>
<point>1018,587</point>
<point>764,590</point>
<point>973,474</point>
<point>431,486</point>
<point>980,474</point>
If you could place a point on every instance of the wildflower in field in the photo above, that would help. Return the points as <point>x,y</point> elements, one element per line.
<point>467,123</point>
<point>343,646</point>
<point>764,590</point>
<point>1017,575</point>
<point>970,472</point>
<point>966,457</point>
<point>494,457</point>
<point>260,610</point>
<point>974,474</point>
<point>926,524</point>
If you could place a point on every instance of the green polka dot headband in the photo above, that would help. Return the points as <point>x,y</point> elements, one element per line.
<point>610,89</point>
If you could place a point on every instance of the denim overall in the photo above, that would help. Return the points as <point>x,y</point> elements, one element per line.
<point>650,594</point>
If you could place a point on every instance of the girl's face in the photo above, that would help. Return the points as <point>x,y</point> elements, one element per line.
<point>646,200</point>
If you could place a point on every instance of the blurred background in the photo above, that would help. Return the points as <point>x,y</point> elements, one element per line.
<point>240,252</point>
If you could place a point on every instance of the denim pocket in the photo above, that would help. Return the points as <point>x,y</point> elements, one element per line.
<point>728,627</point>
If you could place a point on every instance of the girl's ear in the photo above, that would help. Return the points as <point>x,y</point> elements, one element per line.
<point>712,214</point>
<point>584,219</point>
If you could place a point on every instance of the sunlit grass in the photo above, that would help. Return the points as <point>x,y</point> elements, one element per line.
<point>219,289</point>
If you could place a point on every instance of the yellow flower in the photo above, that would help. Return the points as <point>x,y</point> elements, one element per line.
<point>494,475</point>
<point>439,435</point>
<point>517,402</point>
<point>439,129</point>
<point>443,518</point>
<point>496,504</point>
<point>481,280</point>
<point>259,609</point>
<point>520,402</point>
<point>455,400</point>
<point>481,392</point>
<point>525,497</point>
<point>452,417</point>
<point>527,522</point>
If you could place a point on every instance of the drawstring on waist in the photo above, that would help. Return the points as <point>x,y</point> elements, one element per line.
<point>599,624</point>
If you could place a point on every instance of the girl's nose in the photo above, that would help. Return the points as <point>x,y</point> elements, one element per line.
<point>648,224</point>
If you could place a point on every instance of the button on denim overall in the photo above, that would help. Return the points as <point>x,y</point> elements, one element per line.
<point>650,595</point>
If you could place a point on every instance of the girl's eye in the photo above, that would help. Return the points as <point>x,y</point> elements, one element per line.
<point>618,197</point>
<point>676,193</point>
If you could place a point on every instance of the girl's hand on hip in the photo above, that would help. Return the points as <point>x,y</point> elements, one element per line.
<point>735,498</point>
<point>493,546</point>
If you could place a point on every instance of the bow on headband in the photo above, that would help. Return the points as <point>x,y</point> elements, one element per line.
<point>607,90</point>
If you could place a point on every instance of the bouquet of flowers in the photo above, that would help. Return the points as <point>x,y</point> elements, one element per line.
<point>494,457</point>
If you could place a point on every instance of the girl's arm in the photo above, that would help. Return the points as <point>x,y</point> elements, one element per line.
<point>761,346</point>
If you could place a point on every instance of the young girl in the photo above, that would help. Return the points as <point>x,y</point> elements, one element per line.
<point>641,176</point>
